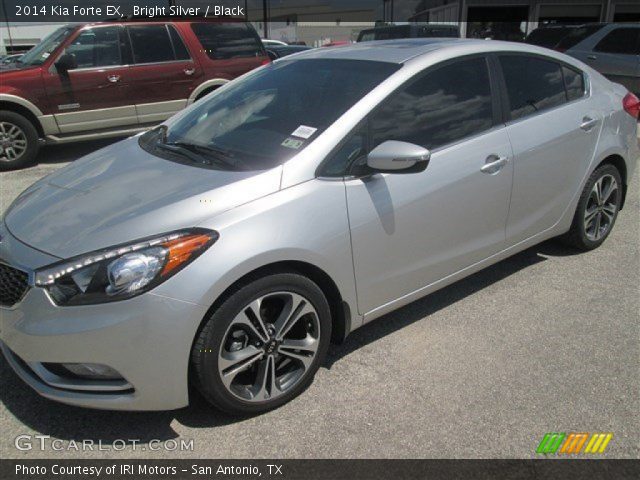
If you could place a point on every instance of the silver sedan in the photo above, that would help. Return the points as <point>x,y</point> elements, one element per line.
<point>230,245</point>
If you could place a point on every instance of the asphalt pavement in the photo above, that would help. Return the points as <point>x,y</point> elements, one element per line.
<point>546,341</point>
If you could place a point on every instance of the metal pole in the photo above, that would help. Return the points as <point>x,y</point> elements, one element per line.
<point>264,18</point>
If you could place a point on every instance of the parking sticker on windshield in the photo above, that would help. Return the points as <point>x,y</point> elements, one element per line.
<point>304,132</point>
<point>292,143</point>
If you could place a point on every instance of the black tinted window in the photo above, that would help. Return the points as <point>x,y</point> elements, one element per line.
<point>533,84</point>
<point>577,35</point>
<point>547,37</point>
<point>574,82</point>
<point>223,41</point>
<point>439,108</point>
<point>621,40</point>
<point>151,44</point>
<point>97,47</point>
<point>178,45</point>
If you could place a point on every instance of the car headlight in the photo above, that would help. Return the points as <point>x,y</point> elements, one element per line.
<point>123,271</point>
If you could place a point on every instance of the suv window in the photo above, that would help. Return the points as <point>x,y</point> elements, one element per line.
<point>620,40</point>
<point>151,44</point>
<point>224,41</point>
<point>533,84</point>
<point>439,108</point>
<point>97,47</point>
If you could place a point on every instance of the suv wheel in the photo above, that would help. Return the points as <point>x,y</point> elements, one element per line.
<point>263,345</point>
<point>597,209</point>
<point>18,141</point>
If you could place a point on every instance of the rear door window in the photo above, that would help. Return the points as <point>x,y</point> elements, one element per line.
<point>181,52</point>
<point>226,41</point>
<point>151,44</point>
<point>625,41</point>
<point>533,84</point>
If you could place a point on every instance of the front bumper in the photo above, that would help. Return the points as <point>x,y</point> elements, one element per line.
<point>147,339</point>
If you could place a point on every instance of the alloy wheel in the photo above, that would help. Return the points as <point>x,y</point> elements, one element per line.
<point>13,142</point>
<point>601,208</point>
<point>269,346</point>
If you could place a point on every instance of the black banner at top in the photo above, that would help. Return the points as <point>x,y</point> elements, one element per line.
<point>337,12</point>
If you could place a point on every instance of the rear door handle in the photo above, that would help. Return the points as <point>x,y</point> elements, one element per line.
<point>189,71</point>
<point>493,164</point>
<point>588,123</point>
<point>113,78</point>
<point>591,57</point>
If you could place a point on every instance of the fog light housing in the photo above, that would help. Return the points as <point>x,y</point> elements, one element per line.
<point>93,371</point>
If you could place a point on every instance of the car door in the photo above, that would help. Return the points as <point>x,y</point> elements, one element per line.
<point>553,128</point>
<point>163,73</point>
<point>411,230</point>
<point>97,93</point>
<point>617,56</point>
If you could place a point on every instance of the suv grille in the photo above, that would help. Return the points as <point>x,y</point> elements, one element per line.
<point>13,285</point>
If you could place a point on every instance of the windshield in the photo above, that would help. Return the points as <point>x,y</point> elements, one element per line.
<point>264,119</point>
<point>38,54</point>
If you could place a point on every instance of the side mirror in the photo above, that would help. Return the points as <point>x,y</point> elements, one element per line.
<point>66,62</point>
<point>398,157</point>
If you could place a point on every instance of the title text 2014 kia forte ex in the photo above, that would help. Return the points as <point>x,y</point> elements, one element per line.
<point>229,246</point>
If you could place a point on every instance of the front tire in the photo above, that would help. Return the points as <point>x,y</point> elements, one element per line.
<point>597,209</point>
<point>18,141</point>
<point>263,344</point>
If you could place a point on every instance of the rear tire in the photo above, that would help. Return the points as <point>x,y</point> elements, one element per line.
<point>263,345</point>
<point>597,209</point>
<point>18,141</point>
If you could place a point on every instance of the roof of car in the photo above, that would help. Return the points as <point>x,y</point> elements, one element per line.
<point>392,51</point>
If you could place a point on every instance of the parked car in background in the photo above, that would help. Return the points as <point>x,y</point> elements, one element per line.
<point>110,79</point>
<point>549,36</point>
<point>10,59</point>
<point>612,49</point>
<point>230,245</point>
<point>279,51</point>
<point>391,32</point>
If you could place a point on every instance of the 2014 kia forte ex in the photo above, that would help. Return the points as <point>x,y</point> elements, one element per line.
<point>229,246</point>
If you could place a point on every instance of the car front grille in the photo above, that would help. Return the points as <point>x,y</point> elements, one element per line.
<point>13,285</point>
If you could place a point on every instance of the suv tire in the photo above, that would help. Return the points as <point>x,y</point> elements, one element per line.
<point>18,141</point>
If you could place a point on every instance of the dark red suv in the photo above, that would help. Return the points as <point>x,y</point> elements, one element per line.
<point>110,79</point>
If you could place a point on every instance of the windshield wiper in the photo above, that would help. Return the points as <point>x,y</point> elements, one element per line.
<point>201,153</point>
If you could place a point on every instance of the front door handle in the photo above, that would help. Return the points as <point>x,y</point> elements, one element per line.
<point>494,164</point>
<point>588,123</point>
<point>113,78</point>
<point>189,71</point>
<point>591,57</point>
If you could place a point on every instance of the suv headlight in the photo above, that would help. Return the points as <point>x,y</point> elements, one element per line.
<point>123,271</point>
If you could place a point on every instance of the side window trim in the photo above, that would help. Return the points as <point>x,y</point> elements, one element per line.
<point>505,96</point>
<point>171,28</point>
<point>366,121</point>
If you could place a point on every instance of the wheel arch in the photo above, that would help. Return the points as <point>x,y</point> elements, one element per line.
<point>340,309</point>
<point>618,162</point>
<point>205,88</point>
<point>24,110</point>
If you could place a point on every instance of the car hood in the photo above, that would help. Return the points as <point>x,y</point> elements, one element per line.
<point>122,193</point>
